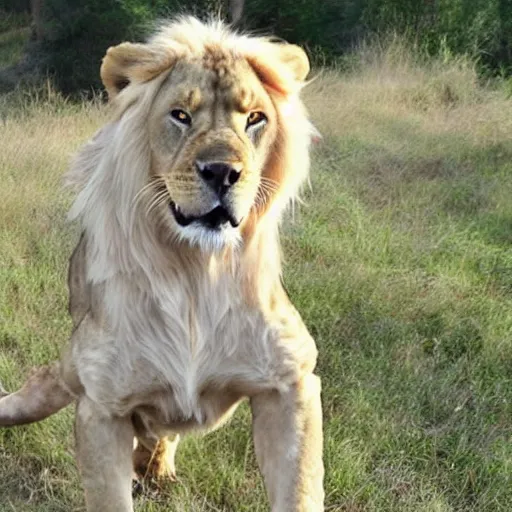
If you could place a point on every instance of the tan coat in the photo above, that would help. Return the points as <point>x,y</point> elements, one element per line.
<point>175,291</point>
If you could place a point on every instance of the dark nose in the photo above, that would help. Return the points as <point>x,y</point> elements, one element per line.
<point>218,175</point>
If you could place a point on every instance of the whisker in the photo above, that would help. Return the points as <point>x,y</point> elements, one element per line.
<point>157,200</point>
<point>265,193</point>
<point>269,181</point>
<point>147,191</point>
<point>267,188</point>
<point>155,183</point>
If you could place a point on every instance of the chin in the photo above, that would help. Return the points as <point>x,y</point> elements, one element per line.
<point>211,232</point>
<point>210,240</point>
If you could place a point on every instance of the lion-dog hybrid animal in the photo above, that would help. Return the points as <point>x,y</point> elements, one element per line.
<point>176,297</point>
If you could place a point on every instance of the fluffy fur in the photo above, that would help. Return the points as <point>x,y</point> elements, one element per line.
<point>175,324</point>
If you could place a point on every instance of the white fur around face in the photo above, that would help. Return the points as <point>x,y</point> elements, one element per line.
<point>209,240</point>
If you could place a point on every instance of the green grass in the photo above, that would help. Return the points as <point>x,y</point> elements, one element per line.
<point>400,263</point>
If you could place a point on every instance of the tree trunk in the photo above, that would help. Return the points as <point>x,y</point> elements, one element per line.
<point>36,8</point>
<point>236,10</point>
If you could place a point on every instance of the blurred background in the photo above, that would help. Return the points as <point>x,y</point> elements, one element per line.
<point>67,38</point>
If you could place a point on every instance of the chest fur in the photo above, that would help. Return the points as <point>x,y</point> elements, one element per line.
<point>178,343</point>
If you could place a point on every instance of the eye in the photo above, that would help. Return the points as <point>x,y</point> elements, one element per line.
<point>255,118</point>
<point>181,116</point>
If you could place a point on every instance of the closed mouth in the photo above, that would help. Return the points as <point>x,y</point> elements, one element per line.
<point>214,219</point>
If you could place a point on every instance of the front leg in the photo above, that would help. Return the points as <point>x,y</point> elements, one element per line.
<point>104,451</point>
<point>287,430</point>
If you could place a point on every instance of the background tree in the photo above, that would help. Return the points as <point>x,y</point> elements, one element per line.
<point>236,10</point>
<point>72,35</point>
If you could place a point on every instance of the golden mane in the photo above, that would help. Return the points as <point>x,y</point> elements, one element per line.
<point>118,157</point>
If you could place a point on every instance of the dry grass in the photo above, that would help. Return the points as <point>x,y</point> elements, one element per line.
<point>400,264</point>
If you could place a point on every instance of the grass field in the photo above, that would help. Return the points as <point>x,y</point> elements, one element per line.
<point>400,262</point>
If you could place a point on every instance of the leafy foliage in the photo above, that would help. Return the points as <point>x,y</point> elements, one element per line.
<point>76,32</point>
<point>17,6</point>
<point>481,28</point>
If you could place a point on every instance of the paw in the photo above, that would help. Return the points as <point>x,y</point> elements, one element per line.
<point>150,482</point>
<point>154,466</point>
<point>154,472</point>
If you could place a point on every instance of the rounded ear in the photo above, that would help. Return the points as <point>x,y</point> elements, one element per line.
<point>295,58</point>
<point>280,66</point>
<point>129,63</point>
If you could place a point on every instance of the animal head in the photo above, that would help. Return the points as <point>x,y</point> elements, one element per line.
<point>209,137</point>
